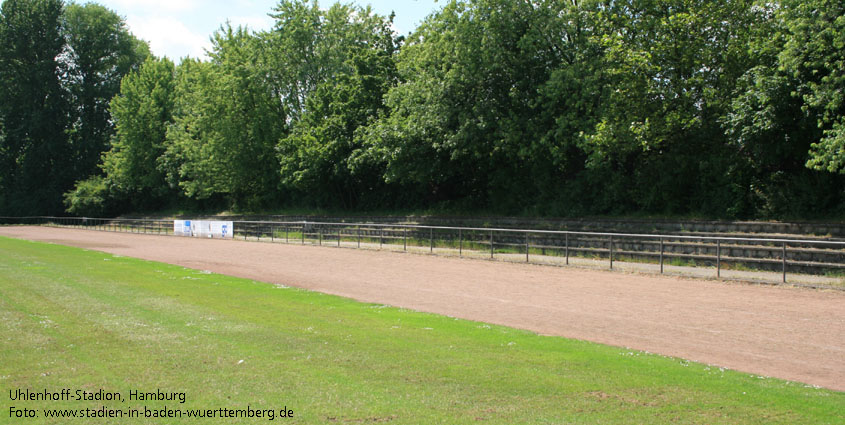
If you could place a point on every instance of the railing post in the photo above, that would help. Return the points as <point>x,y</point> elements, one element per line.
<point>460,243</point>
<point>526,247</point>
<point>286,234</point>
<point>611,252</point>
<point>491,244</point>
<point>430,240</point>
<point>320,235</point>
<point>718,258</point>
<point>567,248</point>
<point>404,238</point>
<point>272,233</point>
<point>338,236</point>
<point>661,255</point>
<point>784,262</point>
<point>359,236</point>
<point>380,237</point>
<point>302,235</point>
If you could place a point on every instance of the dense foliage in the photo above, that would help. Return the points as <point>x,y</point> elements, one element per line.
<point>60,65</point>
<point>719,108</point>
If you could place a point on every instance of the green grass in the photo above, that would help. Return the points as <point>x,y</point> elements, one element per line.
<point>71,318</point>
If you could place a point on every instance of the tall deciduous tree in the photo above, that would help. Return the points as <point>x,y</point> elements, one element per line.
<point>321,156</point>
<point>358,48</point>
<point>59,68</point>
<point>100,51</point>
<point>671,66</point>
<point>468,75</point>
<point>783,117</point>
<point>227,123</point>
<point>815,53</point>
<point>35,155</point>
<point>133,168</point>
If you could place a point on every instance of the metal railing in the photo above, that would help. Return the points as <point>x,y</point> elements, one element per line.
<point>558,247</point>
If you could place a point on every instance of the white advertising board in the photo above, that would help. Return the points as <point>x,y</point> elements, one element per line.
<point>182,227</point>
<point>203,228</point>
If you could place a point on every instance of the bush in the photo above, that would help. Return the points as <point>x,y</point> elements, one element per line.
<point>91,197</point>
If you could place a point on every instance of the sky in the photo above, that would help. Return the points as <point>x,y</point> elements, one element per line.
<point>179,28</point>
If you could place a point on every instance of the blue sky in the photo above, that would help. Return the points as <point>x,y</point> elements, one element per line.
<point>179,28</point>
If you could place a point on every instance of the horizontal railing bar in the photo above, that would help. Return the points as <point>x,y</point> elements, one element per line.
<point>485,229</point>
<point>555,232</point>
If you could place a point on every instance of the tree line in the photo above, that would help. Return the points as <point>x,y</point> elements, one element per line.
<point>717,108</point>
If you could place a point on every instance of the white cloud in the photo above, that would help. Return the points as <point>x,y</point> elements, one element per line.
<point>254,23</point>
<point>156,6</point>
<point>169,37</point>
<point>176,28</point>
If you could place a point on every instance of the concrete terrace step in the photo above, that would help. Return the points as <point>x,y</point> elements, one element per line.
<point>701,227</point>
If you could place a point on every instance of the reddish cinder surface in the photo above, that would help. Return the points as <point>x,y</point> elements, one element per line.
<point>789,333</point>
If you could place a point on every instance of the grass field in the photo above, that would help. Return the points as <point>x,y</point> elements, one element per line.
<point>77,319</point>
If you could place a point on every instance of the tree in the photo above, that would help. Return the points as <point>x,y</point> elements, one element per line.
<point>59,68</point>
<point>815,55</point>
<point>227,123</point>
<point>34,156</point>
<point>317,156</point>
<point>320,157</point>
<point>672,66</point>
<point>466,122</point>
<point>133,172</point>
<point>100,52</point>
<point>780,120</point>
<point>308,46</point>
<point>142,112</point>
<point>439,106</point>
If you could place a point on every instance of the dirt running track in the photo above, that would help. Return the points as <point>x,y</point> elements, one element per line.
<point>795,334</point>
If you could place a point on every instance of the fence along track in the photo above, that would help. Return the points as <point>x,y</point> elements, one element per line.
<point>662,251</point>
